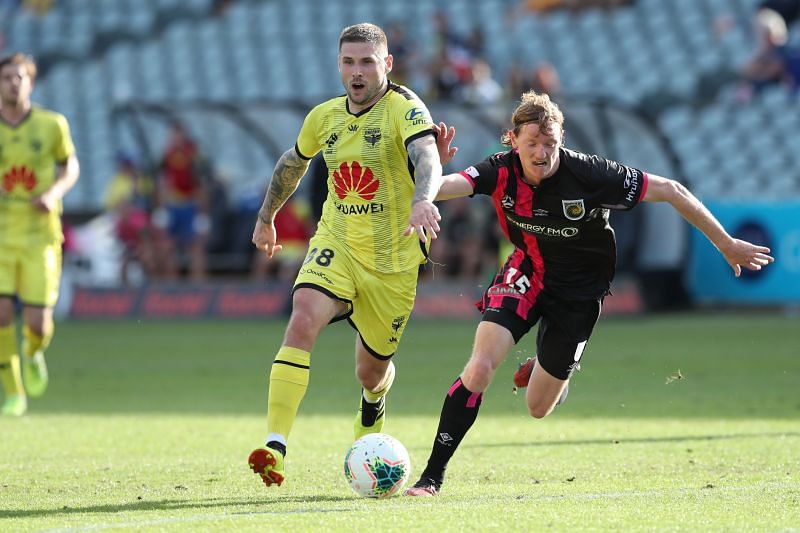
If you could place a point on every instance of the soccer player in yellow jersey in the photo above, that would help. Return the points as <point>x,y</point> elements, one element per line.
<point>37,167</point>
<point>362,263</point>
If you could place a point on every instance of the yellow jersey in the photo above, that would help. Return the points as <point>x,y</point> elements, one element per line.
<point>370,177</point>
<point>29,153</point>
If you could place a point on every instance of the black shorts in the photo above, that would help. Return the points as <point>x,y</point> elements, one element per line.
<point>564,328</point>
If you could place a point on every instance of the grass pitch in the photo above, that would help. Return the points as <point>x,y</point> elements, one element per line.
<point>676,423</point>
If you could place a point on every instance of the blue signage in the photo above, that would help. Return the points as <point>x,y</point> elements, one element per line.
<point>772,224</point>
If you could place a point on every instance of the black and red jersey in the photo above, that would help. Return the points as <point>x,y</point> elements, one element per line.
<point>563,241</point>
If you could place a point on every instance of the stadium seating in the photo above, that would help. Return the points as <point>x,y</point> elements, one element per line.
<point>98,57</point>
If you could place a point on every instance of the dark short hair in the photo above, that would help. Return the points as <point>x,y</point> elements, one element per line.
<point>363,33</point>
<point>20,59</point>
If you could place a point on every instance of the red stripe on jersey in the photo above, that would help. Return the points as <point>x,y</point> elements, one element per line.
<point>497,196</point>
<point>524,207</point>
<point>469,178</point>
<point>645,181</point>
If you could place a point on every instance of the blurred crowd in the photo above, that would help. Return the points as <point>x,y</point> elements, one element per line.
<point>775,59</point>
<point>176,219</point>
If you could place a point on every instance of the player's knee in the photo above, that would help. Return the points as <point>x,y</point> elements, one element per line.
<point>478,374</point>
<point>367,376</point>
<point>302,325</point>
<point>539,411</point>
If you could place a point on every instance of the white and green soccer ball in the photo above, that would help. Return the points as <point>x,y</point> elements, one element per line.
<point>377,466</point>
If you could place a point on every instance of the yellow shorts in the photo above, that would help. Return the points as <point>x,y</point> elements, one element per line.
<point>380,304</point>
<point>32,273</point>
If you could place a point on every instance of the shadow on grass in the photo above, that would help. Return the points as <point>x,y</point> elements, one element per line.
<point>615,441</point>
<point>257,506</point>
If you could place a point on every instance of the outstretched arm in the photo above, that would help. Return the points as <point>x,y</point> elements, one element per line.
<point>285,178</point>
<point>737,253</point>
<point>427,177</point>
<point>453,185</point>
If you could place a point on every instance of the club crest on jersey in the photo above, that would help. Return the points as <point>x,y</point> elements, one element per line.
<point>507,202</point>
<point>398,322</point>
<point>372,136</point>
<point>573,209</point>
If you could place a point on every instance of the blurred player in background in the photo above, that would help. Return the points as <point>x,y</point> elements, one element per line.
<point>553,205</point>
<point>362,263</point>
<point>37,167</point>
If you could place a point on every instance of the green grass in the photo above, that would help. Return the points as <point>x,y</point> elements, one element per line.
<point>148,426</point>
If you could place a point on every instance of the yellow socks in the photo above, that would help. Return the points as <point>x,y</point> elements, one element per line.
<point>288,382</point>
<point>9,362</point>
<point>32,342</point>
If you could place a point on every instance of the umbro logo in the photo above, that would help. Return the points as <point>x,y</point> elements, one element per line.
<point>445,439</point>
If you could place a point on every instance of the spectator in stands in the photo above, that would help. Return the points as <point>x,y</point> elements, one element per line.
<point>451,69</point>
<point>543,78</point>
<point>546,80</point>
<point>574,5</point>
<point>466,247</point>
<point>37,7</point>
<point>220,7</point>
<point>182,216</point>
<point>767,66</point>
<point>129,199</point>
<point>482,89</point>
<point>293,223</point>
<point>403,53</point>
<point>787,10</point>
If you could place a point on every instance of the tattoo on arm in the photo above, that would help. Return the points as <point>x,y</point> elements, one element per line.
<point>427,169</point>
<point>285,178</point>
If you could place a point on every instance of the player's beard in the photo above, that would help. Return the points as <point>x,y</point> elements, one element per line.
<point>368,96</point>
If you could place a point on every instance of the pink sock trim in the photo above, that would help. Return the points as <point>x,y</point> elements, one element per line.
<point>473,399</point>
<point>455,386</point>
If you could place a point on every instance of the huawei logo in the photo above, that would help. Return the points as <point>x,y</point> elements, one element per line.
<point>355,179</point>
<point>22,175</point>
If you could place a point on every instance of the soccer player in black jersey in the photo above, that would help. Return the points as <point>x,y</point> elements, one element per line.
<point>553,205</point>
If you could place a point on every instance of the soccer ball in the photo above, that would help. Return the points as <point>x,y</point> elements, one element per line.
<point>377,466</point>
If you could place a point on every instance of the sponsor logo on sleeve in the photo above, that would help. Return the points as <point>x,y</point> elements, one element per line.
<point>417,116</point>
<point>632,183</point>
<point>472,172</point>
